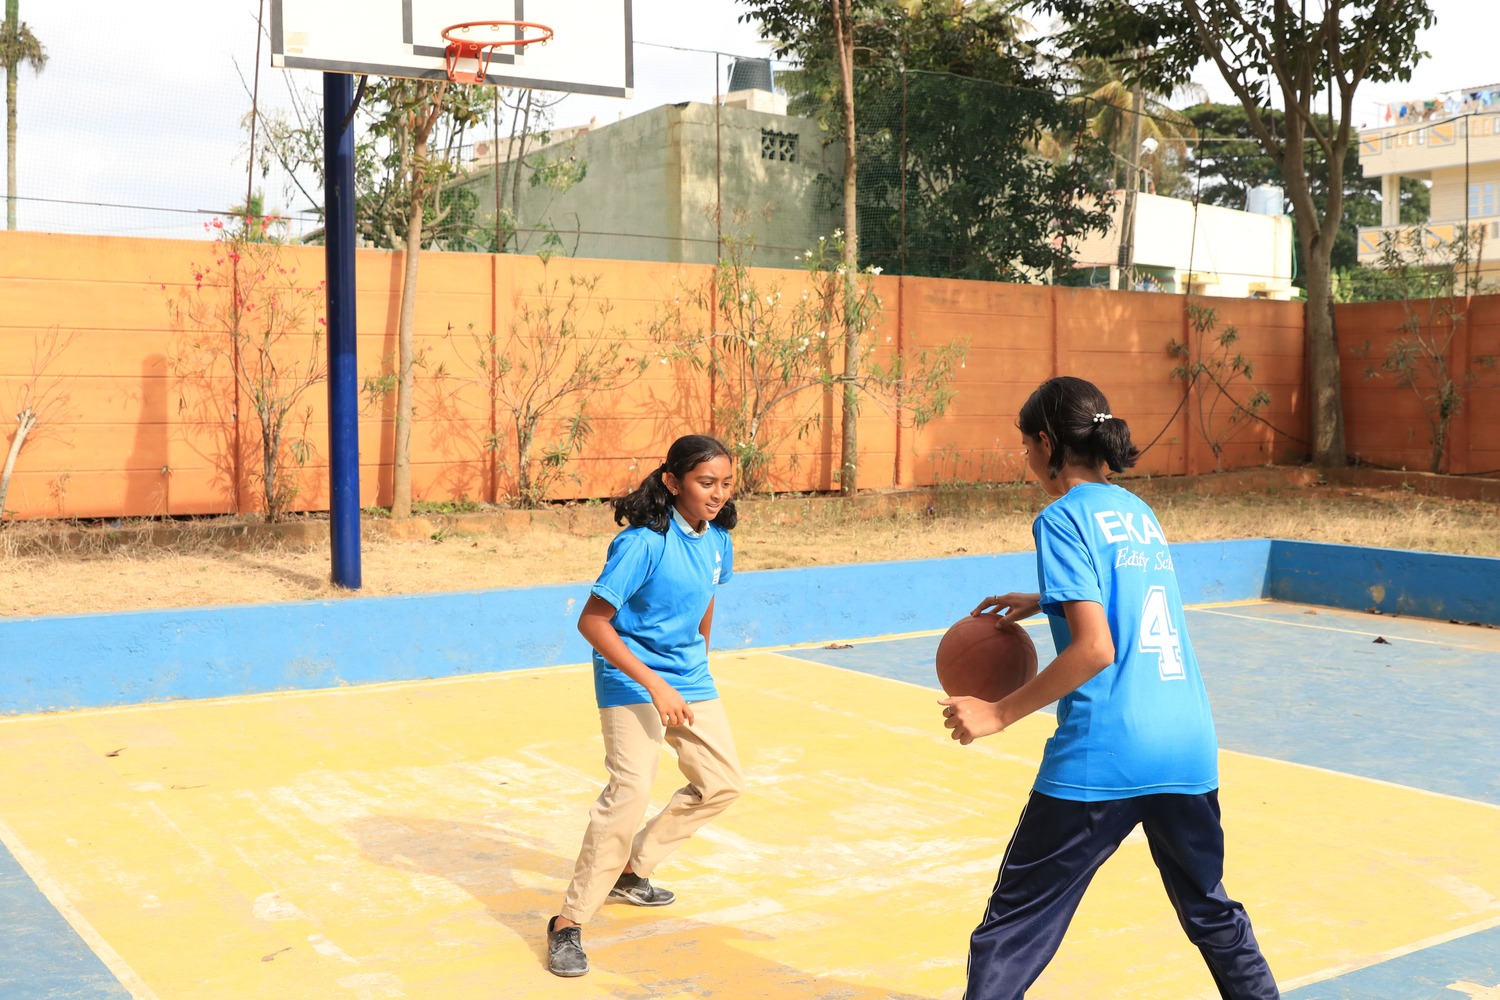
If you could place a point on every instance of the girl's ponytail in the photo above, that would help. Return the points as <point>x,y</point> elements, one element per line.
<point>650,504</point>
<point>1076,418</point>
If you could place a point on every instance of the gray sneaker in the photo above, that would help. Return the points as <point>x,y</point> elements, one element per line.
<point>565,955</point>
<point>639,891</point>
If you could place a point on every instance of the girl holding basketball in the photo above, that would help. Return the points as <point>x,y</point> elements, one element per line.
<point>648,618</point>
<point>1135,740</point>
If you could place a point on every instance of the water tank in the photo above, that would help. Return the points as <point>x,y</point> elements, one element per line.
<point>1266,199</point>
<point>750,74</point>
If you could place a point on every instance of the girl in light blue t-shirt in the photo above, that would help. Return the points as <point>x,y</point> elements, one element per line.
<point>1135,740</point>
<point>648,618</point>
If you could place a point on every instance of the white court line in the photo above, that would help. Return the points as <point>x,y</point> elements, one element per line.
<point>1369,961</point>
<point>35,867</point>
<point>1345,631</point>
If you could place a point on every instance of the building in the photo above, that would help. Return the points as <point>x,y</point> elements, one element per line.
<point>1452,142</point>
<point>1202,249</point>
<point>668,184</point>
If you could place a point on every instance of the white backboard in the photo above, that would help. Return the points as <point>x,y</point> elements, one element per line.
<point>590,51</point>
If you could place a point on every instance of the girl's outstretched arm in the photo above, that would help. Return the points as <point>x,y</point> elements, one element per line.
<point>1091,650</point>
<point>594,625</point>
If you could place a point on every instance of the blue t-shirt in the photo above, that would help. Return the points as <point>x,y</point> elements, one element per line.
<point>1142,725</point>
<point>660,586</point>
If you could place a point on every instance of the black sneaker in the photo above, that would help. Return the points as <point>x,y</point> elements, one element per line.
<point>565,955</point>
<point>639,891</point>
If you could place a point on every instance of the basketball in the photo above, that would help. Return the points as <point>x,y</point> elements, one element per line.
<point>977,658</point>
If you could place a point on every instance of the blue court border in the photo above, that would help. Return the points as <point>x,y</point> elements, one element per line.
<point>64,662</point>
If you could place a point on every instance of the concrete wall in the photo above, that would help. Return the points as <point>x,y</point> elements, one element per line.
<point>662,173</point>
<point>1387,423</point>
<point>140,432</point>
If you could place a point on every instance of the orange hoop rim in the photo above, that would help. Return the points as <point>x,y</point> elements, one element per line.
<point>544,36</point>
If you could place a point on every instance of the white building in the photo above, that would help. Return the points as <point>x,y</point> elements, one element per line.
<point>1205,250</point>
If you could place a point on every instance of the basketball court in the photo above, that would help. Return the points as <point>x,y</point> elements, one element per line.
<point>411,839</point>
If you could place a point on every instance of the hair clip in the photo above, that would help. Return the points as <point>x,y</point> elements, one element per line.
<point>1099,418</point>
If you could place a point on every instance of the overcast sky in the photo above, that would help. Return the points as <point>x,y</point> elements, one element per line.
<point>140,105</point>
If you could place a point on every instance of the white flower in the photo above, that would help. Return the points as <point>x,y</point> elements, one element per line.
<point>770,301</point>
<point>663,360</point>
<point>875,270</point>
<point>822,334</point>
<point>745,298</point>
<point>750,341</point>
<point>963,364</point>
<point>888,340</point>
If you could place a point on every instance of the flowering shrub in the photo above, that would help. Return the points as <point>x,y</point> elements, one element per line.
<point>248,311</point>
<point>773,345</point>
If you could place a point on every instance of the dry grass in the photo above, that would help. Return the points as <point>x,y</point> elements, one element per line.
<point>142,576</point>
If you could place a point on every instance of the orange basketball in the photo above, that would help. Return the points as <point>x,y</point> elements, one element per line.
<point>977,658</point>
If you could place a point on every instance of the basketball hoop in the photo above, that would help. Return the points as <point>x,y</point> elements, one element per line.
<point>465,43</point>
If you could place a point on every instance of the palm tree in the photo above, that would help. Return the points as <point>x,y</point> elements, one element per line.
<point>17,45</point>
<point>1111,110</point>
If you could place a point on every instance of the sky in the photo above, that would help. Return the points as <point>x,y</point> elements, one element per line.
<point>134,126</point>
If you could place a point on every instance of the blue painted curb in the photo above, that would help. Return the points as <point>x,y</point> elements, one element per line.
<point>86,661</point>
<point>1392,581</point>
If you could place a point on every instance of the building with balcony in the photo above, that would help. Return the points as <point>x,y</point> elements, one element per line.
<point>1452,142</point>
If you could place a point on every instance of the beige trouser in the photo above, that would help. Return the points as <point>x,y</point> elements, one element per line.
<point>632,749</point>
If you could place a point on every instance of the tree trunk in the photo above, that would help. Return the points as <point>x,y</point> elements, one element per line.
<point>406,367</point>
<point>849,432</point>
<point>25,421</point>
<point>12,27</point>
<point>427,105</point>
<point>1315,233</point>
<point>1328,449</point>
<point>1125,258</point>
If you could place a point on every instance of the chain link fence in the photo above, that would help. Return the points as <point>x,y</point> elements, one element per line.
<point>957,177</point>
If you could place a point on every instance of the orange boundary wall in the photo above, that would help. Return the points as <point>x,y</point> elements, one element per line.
<point>136,436</point>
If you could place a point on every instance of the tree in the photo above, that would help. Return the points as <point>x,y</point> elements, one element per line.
<point>1229,162</point>
<point>1105,103</point>
<point>1257,47</point>
<point>1436,280</point>
<point>248,316</point>
<point>405,161</point>
<point>39,400</point>
<point>770,348</point>
<point>943,108</point>
<point>816,30</point>
<point>17,45</point>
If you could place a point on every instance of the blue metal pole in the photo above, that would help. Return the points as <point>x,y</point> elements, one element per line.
<point>343,381</point>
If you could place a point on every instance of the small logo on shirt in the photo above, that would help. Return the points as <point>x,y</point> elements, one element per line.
<point>718,565</point>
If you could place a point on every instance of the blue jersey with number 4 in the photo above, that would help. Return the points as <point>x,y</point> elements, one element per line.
<point>1142,725</point>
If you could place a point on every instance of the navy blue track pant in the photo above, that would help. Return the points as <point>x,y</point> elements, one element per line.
<point>1056,849</point>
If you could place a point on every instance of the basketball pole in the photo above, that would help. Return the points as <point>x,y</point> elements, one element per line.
<point>343,378</point>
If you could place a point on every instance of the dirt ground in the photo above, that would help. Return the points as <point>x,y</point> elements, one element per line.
<point>47,568</point>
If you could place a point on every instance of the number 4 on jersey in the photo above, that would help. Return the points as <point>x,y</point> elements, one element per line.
<point>1159,635</point>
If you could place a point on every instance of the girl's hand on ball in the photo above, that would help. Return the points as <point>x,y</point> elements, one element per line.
<point>1017,606</point>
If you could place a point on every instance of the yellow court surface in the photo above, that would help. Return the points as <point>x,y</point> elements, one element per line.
<point>411,840</point>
